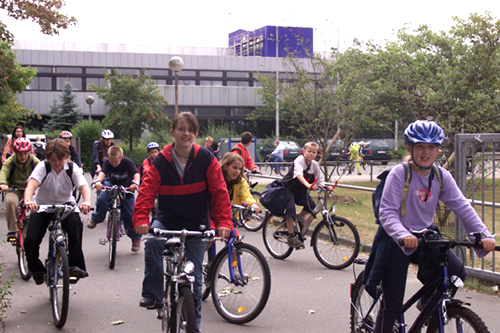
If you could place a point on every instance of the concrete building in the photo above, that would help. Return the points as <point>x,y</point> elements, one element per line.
<point>216,83</point>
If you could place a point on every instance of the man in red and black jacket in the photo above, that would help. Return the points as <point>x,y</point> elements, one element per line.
<point>241,149</point>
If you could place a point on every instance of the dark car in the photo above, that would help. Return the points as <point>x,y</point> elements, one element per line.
<point>338,151</point>
<point>376,150</point>
<point>290,150</point>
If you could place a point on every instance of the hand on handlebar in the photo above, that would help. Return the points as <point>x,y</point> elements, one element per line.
<point>142,229</point>
<point>410,242</point>
<point>488,244</point>
<point>223,233</point>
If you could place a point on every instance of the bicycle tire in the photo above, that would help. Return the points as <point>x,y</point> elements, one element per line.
<point>240,302</point>
<point>207,263</point>
<point>183,312</point>
<point>275,237</point>
<point>22,262</point>
<point>59,286</point>
<point>254,222</point>
<point>337,247</point>
<point>113,229</point>
<point>460,319</point>
<point>283,170</point>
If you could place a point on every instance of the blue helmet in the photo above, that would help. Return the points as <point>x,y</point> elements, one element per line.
<point>424,131</point>
<point>153,145</point>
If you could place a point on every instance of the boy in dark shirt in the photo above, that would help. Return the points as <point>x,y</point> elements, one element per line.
<point>117,170</point>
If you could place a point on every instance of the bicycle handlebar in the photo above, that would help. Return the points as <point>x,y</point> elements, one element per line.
<point>243,207</point>
<point>157,232</point>
<point>121,188</point>
<point>428,238</point>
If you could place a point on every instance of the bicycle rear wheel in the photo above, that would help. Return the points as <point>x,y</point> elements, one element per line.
<point>243,300</point>
<point>112,238</point>
<point>275,237</point>
<point>254,222</point>
<point>336,242</point>
<point>460,319</point>
<point>283,169</point>
<point>59,286</point>
<point>184,312</point>
<point>21,252</point>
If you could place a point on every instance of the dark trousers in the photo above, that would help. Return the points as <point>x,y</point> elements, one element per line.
<point>38,224</point>
<point>394,284</point>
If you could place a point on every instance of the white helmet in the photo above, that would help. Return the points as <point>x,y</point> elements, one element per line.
<point>107,134</point>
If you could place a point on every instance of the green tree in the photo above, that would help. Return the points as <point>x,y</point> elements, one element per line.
<point>134,104</point>
<point>65,115</point>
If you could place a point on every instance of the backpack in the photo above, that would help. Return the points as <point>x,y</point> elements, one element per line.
<point>141,168</point>
<point>275,197</point>
<point>48,168</point>
<point>13,167</point>
<point>377,194</point>
<point>39,151</point>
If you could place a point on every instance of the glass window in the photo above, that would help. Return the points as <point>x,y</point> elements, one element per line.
<point>241,111</point>
<point>210,83</point>
<point>238,74</point>
<point>44,69</point>
<point>185,82</point>
<point>161,82</point>
<point>131,71</point>
<point>76,82</point>
<point>69,70</point>
<point>238,83</point>
<point>210,74</point>
<point>158,72</point>
<point>206,111</point>
<point>40,83</point>
<point>97,71</point>
<point>184,73</point>
<point>100,82</point>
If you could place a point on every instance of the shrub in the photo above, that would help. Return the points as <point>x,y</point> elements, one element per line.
<point>88,131</point>
<point>137,155</point>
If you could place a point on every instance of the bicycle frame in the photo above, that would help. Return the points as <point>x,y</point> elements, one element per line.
<point>230,242</point>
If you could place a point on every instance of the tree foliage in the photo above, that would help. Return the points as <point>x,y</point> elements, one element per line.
<point>65,115</point>
<point>134,104</point>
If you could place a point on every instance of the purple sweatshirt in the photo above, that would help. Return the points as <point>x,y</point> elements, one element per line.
<point>420,214</point>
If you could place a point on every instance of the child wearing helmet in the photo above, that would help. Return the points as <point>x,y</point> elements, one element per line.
<point>100,151</point>
<point>15,172</point>
<point>153,151</point>
<point>389,259</point>
<point>74,156</point>
<point>8,148</point>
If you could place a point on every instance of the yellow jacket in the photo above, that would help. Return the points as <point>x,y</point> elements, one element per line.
<point>241,193</point>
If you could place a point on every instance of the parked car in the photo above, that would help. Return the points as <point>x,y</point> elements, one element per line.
<point>337,152</point>
<point>290,150</point>
<point>376,150</point>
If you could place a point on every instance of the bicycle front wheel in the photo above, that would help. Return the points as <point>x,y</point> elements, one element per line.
<point>275,237</point>
<point>459,319</point>
<point>336,242</point>
<point>21,252</point>
<point>184,312</point>
<point>113,234</point>
<point>241,282</point>
<point>254,222</point>
<point>59,286</point>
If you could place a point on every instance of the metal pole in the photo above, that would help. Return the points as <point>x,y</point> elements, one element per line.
<point>277,89</point>
<point>176,94</point>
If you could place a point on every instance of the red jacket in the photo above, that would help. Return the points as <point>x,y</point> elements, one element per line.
<point>243,152</point>
<point>184,201</point>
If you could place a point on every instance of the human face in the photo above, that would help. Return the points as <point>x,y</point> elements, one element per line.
<point>424,154</point>
<point>107,142</point>
<point>208,143</point>
<point>153,153</point>
<point>183,135</point>
<point>68,140</point>
<point>22,156</point>
<point>115,161</point>
<point>19,133</point>
<point>56,163</point>
<point>233,170</point>
<point>310,154</point>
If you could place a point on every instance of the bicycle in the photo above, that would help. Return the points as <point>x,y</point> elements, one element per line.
<point>18,239</point>
<point>57,268</point>
<point>269,167</point>
<point>115,229</point>
<point>256,194</point>
<point>246,217</point>
<point>350,166</point>
<point>240,276</point>
<point>335,239</point>
<point>442,312</point>
<point>177,312</point>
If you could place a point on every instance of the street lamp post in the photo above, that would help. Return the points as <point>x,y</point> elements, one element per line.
<point>176,64</point>
<point>90,101</point>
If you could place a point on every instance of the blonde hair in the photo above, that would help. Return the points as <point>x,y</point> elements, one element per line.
<point>311,144</point>
<point>115,151</point>
<point>209,138</point>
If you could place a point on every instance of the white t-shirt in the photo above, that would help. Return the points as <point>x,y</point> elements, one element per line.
<point>56,188</point>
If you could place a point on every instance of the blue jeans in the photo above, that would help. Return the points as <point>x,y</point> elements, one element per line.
<point>276,158</point>
<point>126,208</point>
<point>153,283</point>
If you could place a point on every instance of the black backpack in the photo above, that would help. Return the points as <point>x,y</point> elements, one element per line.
<point>39,151</point>
<point>377,194</point>
<point>275,197</point>
<point>48,167</point>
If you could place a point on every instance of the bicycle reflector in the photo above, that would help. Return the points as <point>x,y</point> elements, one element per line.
<point>188,267</point>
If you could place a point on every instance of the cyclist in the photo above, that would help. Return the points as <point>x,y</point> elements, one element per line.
<point>388,260</point>
<point>189,182</point>
<point>276,156</point>
<point>117,170</point>
<point>153,151</point>
<point>52,177</point>
<point>8,148</point>
<point>356,154</point>
<point>242,150</point>
<point>15,172</point>
<point>75,157</point>
<point>100,151</point>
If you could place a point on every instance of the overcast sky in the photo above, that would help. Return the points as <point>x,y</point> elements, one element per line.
<point>207,23</point>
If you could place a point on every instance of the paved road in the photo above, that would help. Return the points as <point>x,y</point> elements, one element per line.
<point>299,284</point>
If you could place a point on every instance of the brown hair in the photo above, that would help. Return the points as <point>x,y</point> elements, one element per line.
<point>115,151</point>
<point>246,137</point>
<point>190,120</point>
<point>58,147</point>
<point>228,159</point>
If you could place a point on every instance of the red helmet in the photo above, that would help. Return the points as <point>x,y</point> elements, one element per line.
<point>65,135</point>
<point>22,144</point>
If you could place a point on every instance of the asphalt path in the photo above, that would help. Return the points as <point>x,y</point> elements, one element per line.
<point>305,296</point>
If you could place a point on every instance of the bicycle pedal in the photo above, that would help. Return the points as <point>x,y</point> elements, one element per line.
<point>73,279</point>
<point>102,241</point>
<point>13,241</point>
<point>300,247</point>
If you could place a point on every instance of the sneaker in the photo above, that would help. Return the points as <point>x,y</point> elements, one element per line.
<point>11,237</point>
<point>91,224</point>
<point>77,272</point>
<point>149,303</point>
<point>295,242</point>
<point>39,277</point>
<point>136,245</point>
